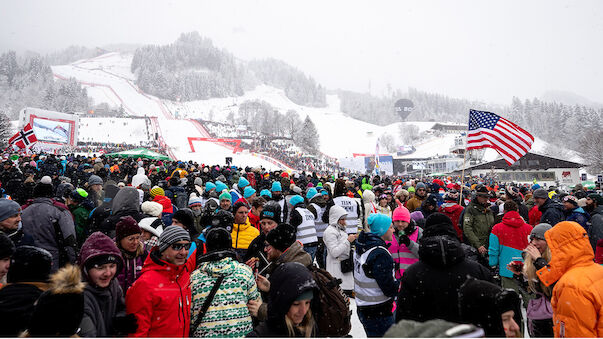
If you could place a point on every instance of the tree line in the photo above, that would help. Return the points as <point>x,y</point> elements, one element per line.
<point>192,68</point>
<point>260,116</point>
<point>27,81</point>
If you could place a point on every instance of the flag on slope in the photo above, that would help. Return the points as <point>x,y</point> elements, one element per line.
<point>25,138</point>
<point>488,130</point>
<point>377,158</point>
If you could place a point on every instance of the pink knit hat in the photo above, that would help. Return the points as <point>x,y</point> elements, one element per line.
<point>401,213</point>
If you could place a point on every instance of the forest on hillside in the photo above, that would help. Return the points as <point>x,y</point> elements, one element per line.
<point>27,81</point>
<point>192,68</point>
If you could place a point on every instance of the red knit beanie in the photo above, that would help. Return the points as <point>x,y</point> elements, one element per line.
<point>125,227</point>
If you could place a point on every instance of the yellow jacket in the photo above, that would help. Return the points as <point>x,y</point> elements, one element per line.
<point>243,234</point>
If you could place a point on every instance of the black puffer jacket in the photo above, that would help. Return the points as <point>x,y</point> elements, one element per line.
<point>287,282</point>
<point>552,212</point>
<point>430,286</point>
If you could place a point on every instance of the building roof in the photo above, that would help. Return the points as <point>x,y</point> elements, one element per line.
<point>530,161</point>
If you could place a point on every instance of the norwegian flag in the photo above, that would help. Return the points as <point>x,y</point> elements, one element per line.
<point>25,138</point>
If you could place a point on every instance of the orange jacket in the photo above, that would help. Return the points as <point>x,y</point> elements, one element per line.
<point>577,299</point>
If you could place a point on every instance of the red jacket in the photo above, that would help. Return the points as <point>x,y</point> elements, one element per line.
<point>161,297</point>
<point>165,202</point>
<point>453,211</point>
<point>535,215</point>
<point>254,220</point>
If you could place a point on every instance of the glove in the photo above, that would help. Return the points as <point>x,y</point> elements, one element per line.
<point>404,239</point>
<point>125,324</point>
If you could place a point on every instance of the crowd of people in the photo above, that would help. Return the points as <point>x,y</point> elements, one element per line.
<point>94,147</point>
<point>281,149</point>
<point>97,247</point>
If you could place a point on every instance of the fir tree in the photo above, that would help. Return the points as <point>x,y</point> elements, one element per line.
<point>6,130</point>
<point>307,136</point>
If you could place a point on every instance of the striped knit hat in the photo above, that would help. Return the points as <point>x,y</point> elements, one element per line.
<point>155,191</point>
<point>171,235</point>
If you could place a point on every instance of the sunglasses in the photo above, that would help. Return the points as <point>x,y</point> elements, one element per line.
<point>178,247</point>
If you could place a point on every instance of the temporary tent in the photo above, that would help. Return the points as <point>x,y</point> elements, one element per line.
<point>139,153</point>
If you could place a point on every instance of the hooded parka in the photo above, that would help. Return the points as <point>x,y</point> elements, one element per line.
<point>577,299</point>
<point>338,247</point>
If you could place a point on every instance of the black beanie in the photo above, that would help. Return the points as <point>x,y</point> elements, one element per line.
<point>185,217</point>
<point>223,219</point>
<point>439,224</point>
<point>29,264</point>
<point>482,303</point>
<point>7,248</point>
<point>281,237</point>
<point>272,211</point>
<point>42,190</point>
<point>217,239</point>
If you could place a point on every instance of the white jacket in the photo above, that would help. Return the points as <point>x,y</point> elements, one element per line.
<point>338,247</point>
<point>139,178</point>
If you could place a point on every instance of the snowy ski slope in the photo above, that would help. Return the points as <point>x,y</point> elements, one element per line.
<point>108,79</point>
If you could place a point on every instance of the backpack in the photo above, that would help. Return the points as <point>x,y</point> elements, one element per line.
<point>180,199</point>
<point>331,307</point>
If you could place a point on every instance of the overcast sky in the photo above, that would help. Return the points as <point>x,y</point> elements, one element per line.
<point>481,50</point>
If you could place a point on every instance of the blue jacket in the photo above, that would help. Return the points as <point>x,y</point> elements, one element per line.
<point>580,216</point>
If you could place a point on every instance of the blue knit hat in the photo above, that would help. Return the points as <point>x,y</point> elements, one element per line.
<point>248,192</point>
<point>276,187</point>
<point>379,223</point>
<point>296,199</point>
<point>242,183</point>
<point>209,186</point>
<point>265,193</point>
<point>220,186</point>
<point>8,208</point>
<point>311,193</point>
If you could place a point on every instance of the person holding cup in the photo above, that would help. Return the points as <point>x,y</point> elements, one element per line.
<point>536,256</point>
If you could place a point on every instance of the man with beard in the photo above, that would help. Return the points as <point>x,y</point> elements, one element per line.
<point>594,206</point>
<point>552,211</point>
<point>420,196</point>
<point>160,297</point>
<point>478,221</point>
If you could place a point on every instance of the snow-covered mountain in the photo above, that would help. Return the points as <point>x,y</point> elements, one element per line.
<point>108,79</point>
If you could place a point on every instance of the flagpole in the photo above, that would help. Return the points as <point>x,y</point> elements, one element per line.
<point>464,162</point>
<point>463,175</point>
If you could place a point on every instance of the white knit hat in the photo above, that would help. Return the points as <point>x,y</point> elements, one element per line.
<point>152,225</point>
<point>152,208</point>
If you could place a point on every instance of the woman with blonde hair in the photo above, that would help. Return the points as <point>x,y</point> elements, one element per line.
<point>536,256</point>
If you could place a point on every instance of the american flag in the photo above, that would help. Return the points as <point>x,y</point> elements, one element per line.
<point>488,130</point>
<point>25,138</point>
